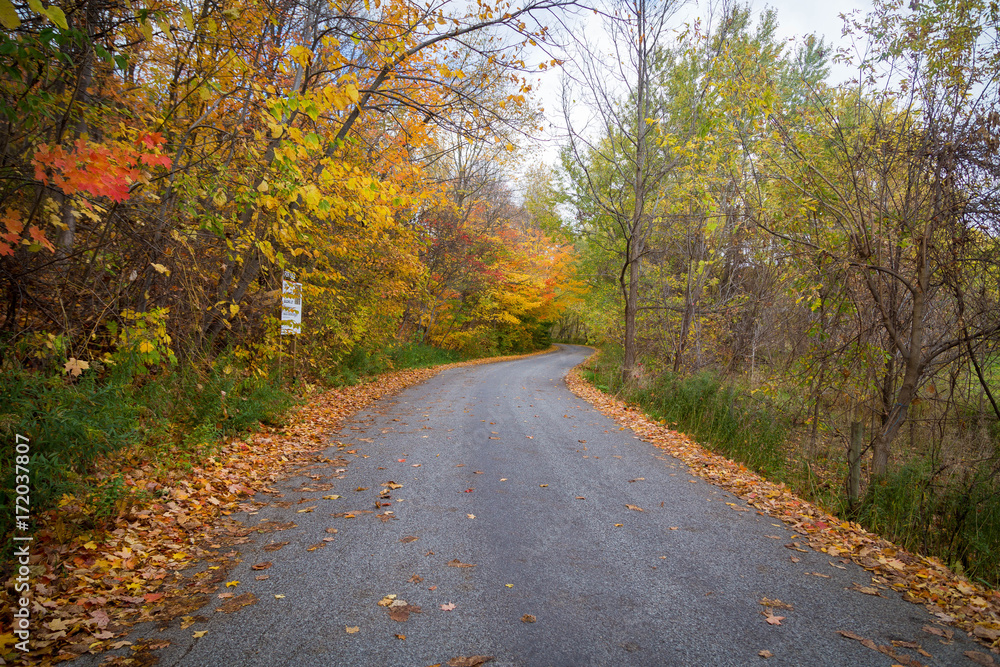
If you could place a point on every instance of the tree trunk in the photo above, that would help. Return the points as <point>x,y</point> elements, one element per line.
<point>914,366</point>
<point>631,293</point>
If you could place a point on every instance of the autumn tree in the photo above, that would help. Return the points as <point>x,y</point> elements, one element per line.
<point>619,166</point>
<point>894,170</point>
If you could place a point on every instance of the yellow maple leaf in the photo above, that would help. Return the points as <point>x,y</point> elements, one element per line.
<point>75,366</point>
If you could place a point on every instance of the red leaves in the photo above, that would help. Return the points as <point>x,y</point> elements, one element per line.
<point>150,140</point>
<point>98,170</point>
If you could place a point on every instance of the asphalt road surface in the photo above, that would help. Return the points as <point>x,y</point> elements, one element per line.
<point>502,469</point>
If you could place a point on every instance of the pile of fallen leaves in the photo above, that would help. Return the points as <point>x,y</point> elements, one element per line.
<point>919,579</point>
<point>88,587</point>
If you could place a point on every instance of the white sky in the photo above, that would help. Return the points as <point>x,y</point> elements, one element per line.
<point>796,18</point>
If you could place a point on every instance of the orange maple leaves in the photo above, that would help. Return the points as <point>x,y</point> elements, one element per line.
<point>15,226</point>
<point>99,170</point>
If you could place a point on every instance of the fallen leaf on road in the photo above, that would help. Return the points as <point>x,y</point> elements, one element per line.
<point>331,497</point>
<point>774,620</point>
<point>619,525</point>
<point>198,634</point>
<point>818,574</point>
<point>237,603</point>
<point>543,485</point>
<point>279,596</point>
<point>416,579</point>
<point>765,654</point>
<point>940,632</point>
<point>990,634</point>
<point>408,539</point>
<point>262,566</point>
<point>528,618</point>
<point>400,636</point>
<point>274,546</point>
<point>401,613</point>
<point>775,604</point>
<point>637,479</point>
<point>634,508</point>
<point>232,584</point>
<point>471,661</point>
<point>361,488</point>
<point>457,563</point>
<point>387,600</point>
<point>314,547</point>
<point>980,658</point>
<point>305,509</point>
<point>351,629</point>
<point>448,606</point>
<point>469,490</point>
<point>867,590</point>
<point>393,485</point>
<point>471,516</point>
<point>580,498</point>
<point>673,528</point>
<point>262,577</point>
<point>332,530</point>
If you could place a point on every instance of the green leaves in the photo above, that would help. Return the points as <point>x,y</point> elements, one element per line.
<point>53,13</point>
<point>8,15</point>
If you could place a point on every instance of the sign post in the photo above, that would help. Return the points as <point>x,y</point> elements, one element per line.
<point>291,311</point>
<point>291,305</point>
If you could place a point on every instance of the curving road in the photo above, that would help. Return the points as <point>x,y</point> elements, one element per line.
<point>504,470</point>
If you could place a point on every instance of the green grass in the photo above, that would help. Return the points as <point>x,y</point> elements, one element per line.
<point>957,520</point>
<point>725,418</point>
<point>71,423</point>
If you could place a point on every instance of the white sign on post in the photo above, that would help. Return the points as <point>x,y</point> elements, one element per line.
<point>291,305</point>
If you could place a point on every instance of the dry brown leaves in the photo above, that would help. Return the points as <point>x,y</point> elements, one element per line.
<point>88,587</point>
<point>919,579</point>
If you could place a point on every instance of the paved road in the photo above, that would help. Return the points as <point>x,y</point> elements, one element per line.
<point>548,481</point>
